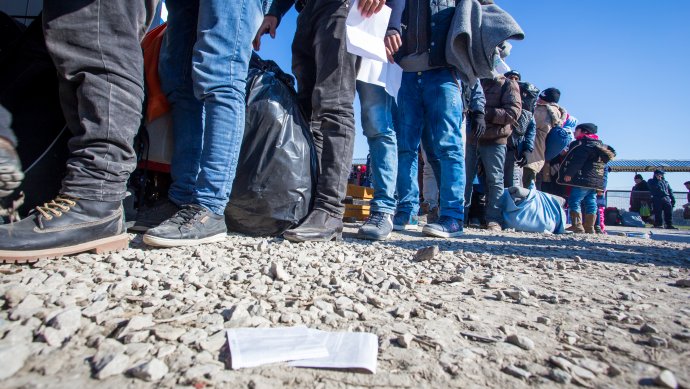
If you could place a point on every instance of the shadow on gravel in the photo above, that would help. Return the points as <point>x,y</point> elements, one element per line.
<point>561,248</point>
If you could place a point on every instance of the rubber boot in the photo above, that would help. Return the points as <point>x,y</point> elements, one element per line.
<point>589,223</point>
<point>576,220</point>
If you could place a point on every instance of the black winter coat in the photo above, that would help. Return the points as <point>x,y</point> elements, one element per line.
<point>585,163</point>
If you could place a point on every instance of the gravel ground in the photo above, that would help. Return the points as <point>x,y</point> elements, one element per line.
<point>485,310</point>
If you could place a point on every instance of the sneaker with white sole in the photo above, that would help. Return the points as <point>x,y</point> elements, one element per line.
<point>191,225</point>
<point>445,227</point>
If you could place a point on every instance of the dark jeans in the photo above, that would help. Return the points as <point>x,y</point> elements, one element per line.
<point>95,47</point>
<point>326,74</point>
<point>664,208</point>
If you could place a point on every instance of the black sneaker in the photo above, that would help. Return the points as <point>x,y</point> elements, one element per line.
<point>191,225</point>
<point>64,226</point>
<point>153,216</point>
<point>10,169</point>
<point>379,226</point>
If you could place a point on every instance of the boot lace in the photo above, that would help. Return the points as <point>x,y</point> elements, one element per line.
<point>55,208</point>
<point>185,215</point>
<point>377,219</point>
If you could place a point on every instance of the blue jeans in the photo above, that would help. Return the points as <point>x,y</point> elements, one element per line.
<point>203,69</point>
<point>492,158</point>
<point>377,122</point>
<point>431,101</point>
<point>585,196</point>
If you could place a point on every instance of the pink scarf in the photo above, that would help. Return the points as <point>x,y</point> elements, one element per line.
<point>589,136</point>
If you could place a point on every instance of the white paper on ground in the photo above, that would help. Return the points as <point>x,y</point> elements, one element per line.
<point>347,350</point>
<point>365,35</point>
<point>385,74</point>
<point>250,347</point>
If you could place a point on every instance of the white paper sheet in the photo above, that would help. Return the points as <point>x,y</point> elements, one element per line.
<point>365,35</point>
<point>388,75</point>
<point>347,350</point>
<point>250,347</point>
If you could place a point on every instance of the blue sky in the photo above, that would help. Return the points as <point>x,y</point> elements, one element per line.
<point>624,65</point>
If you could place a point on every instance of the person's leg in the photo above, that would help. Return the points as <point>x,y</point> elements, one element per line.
<point>10,167</point>
<point>528,177</point>
<point>219,71</point>
<point>589,205</point>
<point>377,122</point>
<point>658,213</point>
<point>668,215</point>
<point>96,51</point>
<point>574,206</point>
<point>471,167</point>
<point>408,137</point>
<point>443,118</point>
<point>220,62</point>
<point>493,160</point>
<point>512,175</point>
<point>333,123</point>
<point>175,71</point>
<point>430,191</point>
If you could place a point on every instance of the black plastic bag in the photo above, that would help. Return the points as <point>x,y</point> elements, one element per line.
<point>276,171</point>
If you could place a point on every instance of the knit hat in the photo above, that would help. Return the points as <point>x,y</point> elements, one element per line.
<point>638,177</point>
<point>557,140</point>
<point>659,171</point>
<point>514,73</point>
<point>550,95</point>
<point>589,128</point>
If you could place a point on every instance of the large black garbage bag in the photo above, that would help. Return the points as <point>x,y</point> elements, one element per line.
<point>276,171</point>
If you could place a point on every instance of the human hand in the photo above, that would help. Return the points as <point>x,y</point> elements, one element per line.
<point>393,43</point>
<point>478,124</point>
<point>370,7</point>
<point>521,161</point>
<point>268,26</point>
<point>567,178</point>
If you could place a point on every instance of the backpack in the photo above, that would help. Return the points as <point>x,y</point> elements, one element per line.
<point>529,95</point>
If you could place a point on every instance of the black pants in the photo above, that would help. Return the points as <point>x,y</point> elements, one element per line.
<point>665,208</point>
<point>95,45</point>
<point>326,75</point>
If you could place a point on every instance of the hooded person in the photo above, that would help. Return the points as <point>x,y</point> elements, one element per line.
<point>662,199</point>
<point>583,169</point>
<point>548,115</point>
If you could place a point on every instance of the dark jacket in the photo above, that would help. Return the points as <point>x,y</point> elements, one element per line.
<point>585,163</point>
<point>661,191</point>
<point>524,133</point>
<point>639,195</point>
<point>280,7</point>
<point>440,15</point>
<point>503,107</point>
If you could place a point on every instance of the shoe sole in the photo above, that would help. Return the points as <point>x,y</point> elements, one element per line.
<point>298,239</point>
<point>99,246</point>
<point>441,234</point>
<point>369,237</point>
<point>165,242</point>
<point>406,227</point>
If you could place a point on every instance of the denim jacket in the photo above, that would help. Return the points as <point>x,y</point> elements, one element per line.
<point>441,15</point>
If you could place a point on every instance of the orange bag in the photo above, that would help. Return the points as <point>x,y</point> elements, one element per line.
<point>157,104</point>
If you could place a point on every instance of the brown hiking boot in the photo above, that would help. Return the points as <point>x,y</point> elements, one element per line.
<point>64,226</point>
<point>588,225</point>
<point>576,220</point>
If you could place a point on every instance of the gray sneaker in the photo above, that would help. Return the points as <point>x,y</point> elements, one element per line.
<point>379,226</point>
<point>149,217</point>
<point>191,225</point>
